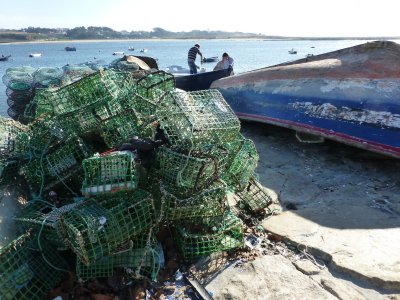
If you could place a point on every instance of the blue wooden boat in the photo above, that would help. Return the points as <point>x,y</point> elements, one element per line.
<point>200,81</point>
<point>350,95</point>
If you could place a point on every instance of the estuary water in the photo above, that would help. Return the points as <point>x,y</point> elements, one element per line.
<point>248,54</point>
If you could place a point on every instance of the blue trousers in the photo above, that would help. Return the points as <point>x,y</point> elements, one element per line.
<point>192,67</point>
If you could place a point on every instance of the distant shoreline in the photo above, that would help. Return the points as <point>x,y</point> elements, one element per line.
<point>199,39</point>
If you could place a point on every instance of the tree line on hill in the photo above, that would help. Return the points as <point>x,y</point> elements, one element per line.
<point>92,32</point>
<point>102,33</point>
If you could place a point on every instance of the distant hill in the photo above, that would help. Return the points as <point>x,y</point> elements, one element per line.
<point>106,33</point>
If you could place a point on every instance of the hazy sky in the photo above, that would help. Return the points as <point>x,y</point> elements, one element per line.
<point>272,17</point>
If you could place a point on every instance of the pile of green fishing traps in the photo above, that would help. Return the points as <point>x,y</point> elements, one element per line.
<point>113,202</point>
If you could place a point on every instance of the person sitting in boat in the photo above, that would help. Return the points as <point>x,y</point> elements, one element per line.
<point>225,63</point>
<point>192,54</point>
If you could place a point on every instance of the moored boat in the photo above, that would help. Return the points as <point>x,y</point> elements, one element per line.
<point>350,95</point>
<point>118,53</point>
<point>210,59</point>
<point>4,58</point>
<point>35,55</point>
<point>68,48</point>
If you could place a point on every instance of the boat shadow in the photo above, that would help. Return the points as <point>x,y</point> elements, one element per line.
<point>331,184</point>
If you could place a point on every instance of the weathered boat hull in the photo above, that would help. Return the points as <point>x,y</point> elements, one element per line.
<point>350,95</point>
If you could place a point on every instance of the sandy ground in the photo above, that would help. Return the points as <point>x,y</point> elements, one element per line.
<point>339,229</point>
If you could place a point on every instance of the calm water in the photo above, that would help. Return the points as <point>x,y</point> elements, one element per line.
<point>248,54</point>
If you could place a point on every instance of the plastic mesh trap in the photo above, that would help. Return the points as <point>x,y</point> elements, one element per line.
<point>43,217</point>
<point>137,257</point>
<point>188,172</point>
<point>75,72</point>
<point>9,130</point>
<point>41,136</point>
<point>120,128</point>
<point>57,165</point>
<point>24,273</point>
<point>47,76</point>
<point>40,105</point>
<point>154,85</point>
<point>97,87</point>
<point>254,196</point>
<point>18,80</point>
<point>109,173</point>
<point>243,159</point>
<point>145,107</point>
<point>96,227</point>
<point>209,202</point>
<point>207,235</point>
<point>196,119</point>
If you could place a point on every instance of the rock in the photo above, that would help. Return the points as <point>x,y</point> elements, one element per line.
<point>267,277</point>
<point>306,267</point>
<point>340,290</point>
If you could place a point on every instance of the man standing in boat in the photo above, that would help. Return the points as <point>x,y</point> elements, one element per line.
<point>192,58</point>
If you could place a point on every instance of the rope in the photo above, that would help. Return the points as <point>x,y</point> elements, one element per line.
<point>305,254</point>
<point>41,250</point>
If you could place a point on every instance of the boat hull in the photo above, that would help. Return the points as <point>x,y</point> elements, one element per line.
<point>350,96</point>
<point>200,81</point>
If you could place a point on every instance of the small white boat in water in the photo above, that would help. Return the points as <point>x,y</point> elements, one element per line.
<point>118,53</point>
<point>143,50</point>
<point>35,55</point>
<point>179,70</point>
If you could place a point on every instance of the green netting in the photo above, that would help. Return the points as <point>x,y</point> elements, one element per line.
<point>42,136</point>
<point>209,202</point>
<point>43,218</point>
<point>120,128</point>
<point>98,226</point>
<point>112,172</point>
<point>197,119</point>
<point>25,273</point>
<point>188,172</point>
<point>75,72</point>
<point>81,122</point>
<point>207,235</point>
<point>127,66</point>
<point>243,159</point>
<point>48,76</point>
<point>18,80</point>
<point>40,105</point>
<point>125,80</point>
<point>154,85</point>
<point>8,171</point>
<point>92,118</point>
<point>95,88</point>
<point>145,107</point>
<point>9,130</point>
<point>138,257</point>
<point>96,65</point>
<point>254,196</point>
<point>57,166</point>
